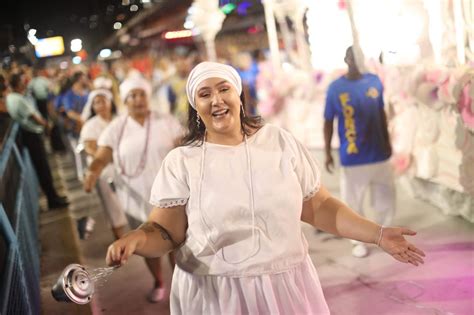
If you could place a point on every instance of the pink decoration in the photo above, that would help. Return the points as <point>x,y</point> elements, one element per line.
<point>427,93</point>
<point>401,163</point>
<point>466,106</point>
<point>342,5</point>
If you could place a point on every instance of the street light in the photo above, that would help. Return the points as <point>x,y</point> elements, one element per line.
<point>105,53</point>
<point>76,45</point>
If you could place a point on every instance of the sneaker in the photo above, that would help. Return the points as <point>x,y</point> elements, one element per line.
<point>360,250</point>
<point>157,295</point>
<point>85,226</point>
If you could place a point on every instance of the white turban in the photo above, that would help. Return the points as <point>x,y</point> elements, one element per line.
<point>133,83</point>
<point>86,112</point>
<point>206,70</point>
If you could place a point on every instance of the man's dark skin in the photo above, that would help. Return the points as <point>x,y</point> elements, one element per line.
<point>352,74</point>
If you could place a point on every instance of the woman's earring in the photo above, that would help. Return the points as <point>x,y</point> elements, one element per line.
<point>198,121</point>
<point>243,110</point>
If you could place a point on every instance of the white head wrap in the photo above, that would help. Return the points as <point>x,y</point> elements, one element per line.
<point>133,83</point>
<point>206,70</point>
<point>86,112</point>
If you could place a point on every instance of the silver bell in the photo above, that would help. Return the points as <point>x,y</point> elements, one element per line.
<point>74,285</point>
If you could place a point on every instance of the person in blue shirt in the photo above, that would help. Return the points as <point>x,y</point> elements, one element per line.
<point>75,99</point>
<point>356,101</point>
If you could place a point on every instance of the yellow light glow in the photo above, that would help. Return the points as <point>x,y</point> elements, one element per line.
<point>178,34</point>
<point>51,46</point>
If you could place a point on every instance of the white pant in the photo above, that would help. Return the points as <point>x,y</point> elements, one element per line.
<point>378,178</point>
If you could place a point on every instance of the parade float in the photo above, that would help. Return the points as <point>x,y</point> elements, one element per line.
<point>422,50</point>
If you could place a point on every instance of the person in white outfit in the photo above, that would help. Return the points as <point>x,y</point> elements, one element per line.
<point>137,143</point>
<point>229,202</point>
<point>101,113</point>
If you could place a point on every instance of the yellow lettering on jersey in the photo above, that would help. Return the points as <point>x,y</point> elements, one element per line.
<point>349,125</point>
<point>352,148</point>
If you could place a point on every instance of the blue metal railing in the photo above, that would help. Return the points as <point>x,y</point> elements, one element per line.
<point>19,244</point>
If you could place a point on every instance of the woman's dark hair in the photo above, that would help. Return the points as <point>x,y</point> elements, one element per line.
<point>93,113</point>
<point>195,134</point>
<point>3,85</point>
<point>16,80</point>
<point>76,77</point>
<point>65,85</point>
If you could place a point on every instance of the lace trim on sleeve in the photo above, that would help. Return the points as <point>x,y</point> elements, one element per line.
<point>171,203</point>
<point>312,192</point>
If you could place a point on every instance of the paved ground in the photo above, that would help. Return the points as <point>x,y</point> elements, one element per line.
<point>374,285</point>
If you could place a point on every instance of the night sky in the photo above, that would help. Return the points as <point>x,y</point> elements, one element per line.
<point>90,20</point>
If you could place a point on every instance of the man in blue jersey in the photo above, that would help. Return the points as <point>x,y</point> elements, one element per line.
<point>356,101</point>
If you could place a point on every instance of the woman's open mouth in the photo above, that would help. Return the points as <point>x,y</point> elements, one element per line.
<point>220,113</point>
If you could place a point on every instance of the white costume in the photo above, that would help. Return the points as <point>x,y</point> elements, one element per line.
<point>128,140</point>
<point>378,179</point>
<point>244,250</point>
<point>91,131</point>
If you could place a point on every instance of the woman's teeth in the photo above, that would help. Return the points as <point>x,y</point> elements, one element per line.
<point>220,113</point>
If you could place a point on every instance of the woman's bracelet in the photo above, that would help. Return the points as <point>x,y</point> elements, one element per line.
<point>380,236</point>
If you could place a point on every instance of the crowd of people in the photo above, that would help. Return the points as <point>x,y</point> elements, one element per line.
<point>162,145</point>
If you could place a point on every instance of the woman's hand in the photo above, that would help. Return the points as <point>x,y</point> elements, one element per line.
<point>394,243</point>
<point>89,181</point>
<point>120,250</point>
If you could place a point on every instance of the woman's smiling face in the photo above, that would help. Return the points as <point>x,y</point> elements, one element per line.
<point>218,105</point>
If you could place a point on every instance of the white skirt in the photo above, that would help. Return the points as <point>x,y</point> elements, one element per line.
<point>294,291</point>
<point>111,204</point>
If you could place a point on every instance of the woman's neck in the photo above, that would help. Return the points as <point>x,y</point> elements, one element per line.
<point>140,118</point>
<point>106,116</point>
<point>233,138</point>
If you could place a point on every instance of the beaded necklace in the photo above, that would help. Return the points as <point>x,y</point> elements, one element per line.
<point>255,232</point>
<point>141,165</point>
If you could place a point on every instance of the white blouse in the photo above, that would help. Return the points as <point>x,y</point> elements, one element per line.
<point>93,128</point>
<point>223,236</point>
<point>134,192</point>
<point>91,131</point>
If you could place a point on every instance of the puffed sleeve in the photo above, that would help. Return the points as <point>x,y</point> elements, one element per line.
<point>89,132</point>
<point>170,187</point>
<point>109,137</point>
<point>305,167</point>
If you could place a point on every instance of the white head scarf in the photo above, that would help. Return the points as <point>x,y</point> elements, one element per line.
<point>206,70</point>
<point>133,83</point>
<point>86,112</point>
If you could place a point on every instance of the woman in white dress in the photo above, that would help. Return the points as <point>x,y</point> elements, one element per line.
<point>137,143</point>
<point>101,113</point>
<point>229,202</point>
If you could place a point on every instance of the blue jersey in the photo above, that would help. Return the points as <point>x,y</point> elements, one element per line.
<point>358,106</point>
<point>74,102</point>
